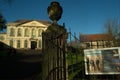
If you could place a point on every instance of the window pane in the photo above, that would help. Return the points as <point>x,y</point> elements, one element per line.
<point>26,33</point>
<point>12,32</point>
<point>25,44</point>
<point>18,44</point>
<point>19,32</point>
<point>33,33</point>
<point>40,44</point>
<point>39,32</point>
<point>11,43</point>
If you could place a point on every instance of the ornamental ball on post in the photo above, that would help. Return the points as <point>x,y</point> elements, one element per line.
<point>54,11</point>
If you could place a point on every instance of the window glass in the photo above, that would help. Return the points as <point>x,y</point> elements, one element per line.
<point>11,43</point>
<point>40,44</point>
<point>39,32</point>
<point>19,32</point>
<point>18,44</point>
<point>25,44</point>
<point>12,32</point>
<point>33,33</point>
<point>26,33</point>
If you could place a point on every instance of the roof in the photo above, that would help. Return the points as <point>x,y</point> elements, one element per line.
<point>23,21</point>
<point>95,37</point>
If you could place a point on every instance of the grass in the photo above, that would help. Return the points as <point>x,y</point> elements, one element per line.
<point>74,65</point>
<point>74,58</point>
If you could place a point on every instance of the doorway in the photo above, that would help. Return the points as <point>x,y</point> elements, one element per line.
<point>33,44</point>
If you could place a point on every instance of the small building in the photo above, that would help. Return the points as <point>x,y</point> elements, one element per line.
<point>24,34</point>
<point>94,41</point>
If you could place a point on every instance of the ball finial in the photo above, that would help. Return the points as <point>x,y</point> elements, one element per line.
<point>54,11</point>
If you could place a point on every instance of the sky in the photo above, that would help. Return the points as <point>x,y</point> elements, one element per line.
<point>81,16</point>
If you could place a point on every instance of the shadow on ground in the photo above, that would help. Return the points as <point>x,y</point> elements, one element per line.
<point>20,67</point>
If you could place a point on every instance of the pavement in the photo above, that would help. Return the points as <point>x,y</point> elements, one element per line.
<point>22,67</point>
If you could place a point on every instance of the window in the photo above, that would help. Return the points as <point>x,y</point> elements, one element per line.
<point>26,33</point>
<point>88,45</point>
<point>19,32</point>
<point>33,33</point>
<point>2,38</point>
<point>40,46</point>
<point>12,32</point>
<point>18,44</point>
<point>11,43</point>
<point>25,43</point>
<point>108,44</point>
<point>39,32</point>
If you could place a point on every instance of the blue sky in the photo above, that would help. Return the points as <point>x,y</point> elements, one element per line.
<point>82,16</point>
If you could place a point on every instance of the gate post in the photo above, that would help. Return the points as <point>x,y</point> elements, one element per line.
<point>54,46</point>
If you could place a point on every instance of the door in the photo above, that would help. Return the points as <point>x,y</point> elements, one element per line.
<point>33,44</point>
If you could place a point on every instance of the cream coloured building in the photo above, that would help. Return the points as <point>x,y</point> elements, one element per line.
<point>94,41</point>
<point>24,34</point>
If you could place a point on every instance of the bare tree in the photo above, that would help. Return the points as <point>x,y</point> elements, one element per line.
<point>112,27</point>
<point>2,22</point>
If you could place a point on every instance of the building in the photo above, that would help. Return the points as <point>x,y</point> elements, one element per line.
<point>94,41</point>
<point>24,34</point>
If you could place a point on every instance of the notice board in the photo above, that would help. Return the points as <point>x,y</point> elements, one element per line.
<point>102,61</point>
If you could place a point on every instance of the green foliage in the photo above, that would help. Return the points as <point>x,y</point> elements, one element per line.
<point>73,60</point>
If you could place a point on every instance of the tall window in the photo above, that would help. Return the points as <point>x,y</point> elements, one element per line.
<point>39,32</point>
<point>26,32</point>
<point>25,44</point>
<point>19,32</point>
<point>11,43</point>
<point>18,43</point>
<point>33,33</point>
<point>40,44</point>
<point>12,32</point>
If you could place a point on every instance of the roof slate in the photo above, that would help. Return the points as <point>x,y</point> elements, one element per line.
<point>23,21</point>
<point>95,37</point>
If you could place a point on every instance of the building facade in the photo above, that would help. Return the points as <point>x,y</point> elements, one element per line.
<point>24,34</point>
<point>94,41</point>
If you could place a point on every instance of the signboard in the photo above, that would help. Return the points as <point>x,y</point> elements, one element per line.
<point>102,61</point>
